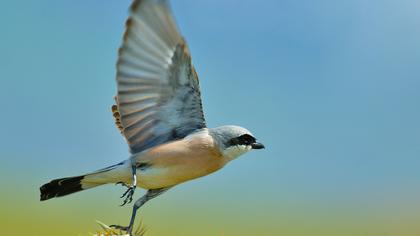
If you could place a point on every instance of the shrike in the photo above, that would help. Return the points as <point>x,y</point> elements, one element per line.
<point>159,112</point>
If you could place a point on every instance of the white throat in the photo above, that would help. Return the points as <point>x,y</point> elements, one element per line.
<point>235,151</point>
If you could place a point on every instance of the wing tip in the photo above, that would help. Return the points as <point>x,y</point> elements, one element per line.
<point>136,3</point>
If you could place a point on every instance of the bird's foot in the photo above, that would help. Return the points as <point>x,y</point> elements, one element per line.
<point>127,229</point>
<point>128,195</point>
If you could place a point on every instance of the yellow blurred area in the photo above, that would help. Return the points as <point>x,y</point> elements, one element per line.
<point>174,213</point>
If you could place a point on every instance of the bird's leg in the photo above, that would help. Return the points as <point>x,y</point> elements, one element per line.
<point>151,193</point>
<point>128,194</point>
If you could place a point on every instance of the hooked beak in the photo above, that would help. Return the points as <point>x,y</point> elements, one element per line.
<point>257,146</point>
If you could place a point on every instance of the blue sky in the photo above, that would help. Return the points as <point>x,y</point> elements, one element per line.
<point>330,87</point>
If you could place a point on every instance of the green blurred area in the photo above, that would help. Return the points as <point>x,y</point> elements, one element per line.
<point>190,210</point>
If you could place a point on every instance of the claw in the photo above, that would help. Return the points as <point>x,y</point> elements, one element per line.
<point>128,195</point>
<point>124,228</point>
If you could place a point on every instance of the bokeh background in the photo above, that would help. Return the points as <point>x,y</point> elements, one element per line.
<point>332,88</point>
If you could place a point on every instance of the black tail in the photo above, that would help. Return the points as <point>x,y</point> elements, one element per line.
<point>61,187</point>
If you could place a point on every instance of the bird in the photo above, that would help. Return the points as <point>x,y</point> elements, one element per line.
<point>159,112</point>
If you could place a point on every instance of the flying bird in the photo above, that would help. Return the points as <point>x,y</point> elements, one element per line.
<point>159,112</point>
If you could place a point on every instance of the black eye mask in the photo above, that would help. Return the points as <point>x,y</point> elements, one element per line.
<point>244,139</point>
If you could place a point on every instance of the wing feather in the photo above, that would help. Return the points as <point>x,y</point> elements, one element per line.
<point>158,97</point>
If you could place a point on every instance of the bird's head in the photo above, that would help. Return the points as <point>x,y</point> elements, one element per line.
<point>234,141</point>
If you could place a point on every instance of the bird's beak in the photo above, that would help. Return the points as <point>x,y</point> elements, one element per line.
<point>257,146</point>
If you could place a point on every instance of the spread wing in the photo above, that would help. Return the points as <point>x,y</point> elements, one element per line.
<point>158,96</point>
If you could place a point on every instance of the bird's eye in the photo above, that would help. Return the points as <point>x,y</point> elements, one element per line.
<point>246,139</point>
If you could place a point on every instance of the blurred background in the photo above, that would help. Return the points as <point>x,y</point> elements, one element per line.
<point>332,88</point>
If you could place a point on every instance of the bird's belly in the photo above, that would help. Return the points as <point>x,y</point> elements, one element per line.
<point>176,162</point>
<point>155,177</point>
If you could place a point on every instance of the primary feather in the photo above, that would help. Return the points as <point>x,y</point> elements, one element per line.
<point>158,97</point>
